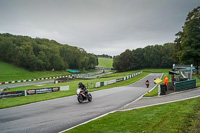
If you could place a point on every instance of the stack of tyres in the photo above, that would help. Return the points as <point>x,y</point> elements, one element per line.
<point>162,89</point>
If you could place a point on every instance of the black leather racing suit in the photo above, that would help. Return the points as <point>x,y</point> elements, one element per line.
<point>84,89</point>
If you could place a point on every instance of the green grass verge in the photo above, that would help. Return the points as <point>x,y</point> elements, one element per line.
<point>152,93</point>
<point>168,118</point>
<point>11,102</point>
<point>105,62</point>
<point>10,72</point>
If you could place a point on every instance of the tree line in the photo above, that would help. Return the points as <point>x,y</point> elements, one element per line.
<point>43,54</point>
<point>104,56</point>
<point>184,50</point>
<point>155,56</point>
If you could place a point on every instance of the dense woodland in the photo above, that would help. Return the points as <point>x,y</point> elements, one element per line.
<point>184,50</point>
<point>43,54</point>
<point>156,56</point>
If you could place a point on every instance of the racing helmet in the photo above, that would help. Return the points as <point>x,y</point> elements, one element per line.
<point>80,83</point>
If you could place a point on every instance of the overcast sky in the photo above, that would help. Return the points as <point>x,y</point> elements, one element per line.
<point>99,26</point>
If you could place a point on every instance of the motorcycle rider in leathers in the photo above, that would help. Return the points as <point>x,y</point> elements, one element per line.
<point>82,86</point>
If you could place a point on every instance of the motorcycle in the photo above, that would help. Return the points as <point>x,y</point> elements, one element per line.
<point>147,84</point>
<point>82,97</point>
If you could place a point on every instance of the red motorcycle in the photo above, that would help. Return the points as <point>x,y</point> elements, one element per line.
<point>147,84</point>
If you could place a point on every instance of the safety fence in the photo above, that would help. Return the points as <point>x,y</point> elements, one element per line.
<point>32,92</point>
<point>29,80</point>
<point>77,76</point>
<point>104,83</point>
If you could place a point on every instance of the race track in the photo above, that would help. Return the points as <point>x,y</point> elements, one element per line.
<point>59,114</point>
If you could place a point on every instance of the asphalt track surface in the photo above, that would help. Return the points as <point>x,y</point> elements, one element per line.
<point>60,114</point>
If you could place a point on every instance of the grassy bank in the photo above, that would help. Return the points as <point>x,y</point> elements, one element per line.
<point>168,118</point>
<point>105,62</point>
<point>10,72</point>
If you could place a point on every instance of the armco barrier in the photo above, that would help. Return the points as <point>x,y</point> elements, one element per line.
<point>99,84</point>
<point>111,82</point>
<point>187,84</point>
<point>105,83</point>
<point>28,80</point>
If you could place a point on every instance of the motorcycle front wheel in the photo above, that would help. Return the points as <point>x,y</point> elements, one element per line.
<point>80,99</point>
<point>89,97</point>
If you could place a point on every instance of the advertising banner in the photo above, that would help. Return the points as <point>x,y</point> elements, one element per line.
<point>11,94</point>
<point>43,90</point>
<point>54,89</point>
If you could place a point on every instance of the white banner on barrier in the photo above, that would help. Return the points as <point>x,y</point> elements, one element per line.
<point>111,82</point>
<point>97,84</point>
<point>105,83</point>
<point>64,88</point>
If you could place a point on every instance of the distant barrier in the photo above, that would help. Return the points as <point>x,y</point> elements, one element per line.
<point>29,80</point>
<point>100,84</point>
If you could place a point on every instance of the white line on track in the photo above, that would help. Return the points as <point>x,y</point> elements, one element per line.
<point>161,103</point>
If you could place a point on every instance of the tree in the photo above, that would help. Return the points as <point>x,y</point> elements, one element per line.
<point>116,62</point>
<point>189,51</point>
<point>138,61</point>
<point>124,61</point>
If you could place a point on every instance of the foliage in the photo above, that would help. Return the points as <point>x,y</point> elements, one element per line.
<point>187,41</point>
<point>156,56</point>
<point>104,56</point>
<point>43,54</point>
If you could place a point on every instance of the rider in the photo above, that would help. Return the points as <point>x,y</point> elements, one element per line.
<point>82,86</point>
<point>147,82</point>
